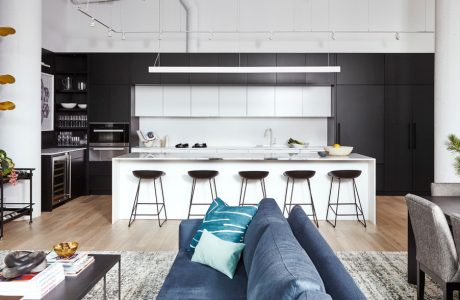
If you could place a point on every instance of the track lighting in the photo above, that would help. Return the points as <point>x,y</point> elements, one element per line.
<point>123,36</point>
<point>397,36</point>
<point>92,23</point>
<point>110,33</point>
<point>333,35</point>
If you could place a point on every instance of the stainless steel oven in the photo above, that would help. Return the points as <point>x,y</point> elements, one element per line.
<point>109,134</point>
<point>108,140</point>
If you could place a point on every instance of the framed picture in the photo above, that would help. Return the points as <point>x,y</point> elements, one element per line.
<point>47,102</point>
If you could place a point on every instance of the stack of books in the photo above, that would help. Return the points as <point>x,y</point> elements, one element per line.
<point>33,285</point>
<point>74,265</point>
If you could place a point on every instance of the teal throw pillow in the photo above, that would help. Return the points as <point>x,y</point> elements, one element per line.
<point>218,254</point>
<point>228,223</point>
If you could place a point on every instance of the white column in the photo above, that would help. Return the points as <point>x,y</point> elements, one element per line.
<point>20,129</point>
<point>447,86</point>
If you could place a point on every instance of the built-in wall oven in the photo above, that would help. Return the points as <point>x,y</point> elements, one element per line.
<point>108,140</point>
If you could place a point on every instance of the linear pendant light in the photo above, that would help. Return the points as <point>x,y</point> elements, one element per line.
<point>316,69</point>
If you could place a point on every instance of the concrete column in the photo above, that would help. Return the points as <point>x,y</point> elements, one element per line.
<point>447,86</point>
<point>20,129</point>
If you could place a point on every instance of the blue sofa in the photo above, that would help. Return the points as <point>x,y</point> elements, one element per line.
<point>283,259</point>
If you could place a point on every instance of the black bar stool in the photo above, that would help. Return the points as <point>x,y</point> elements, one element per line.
<point>252,175</point>
<point>147,174</point>
<point>209,175</point>
<point>345,174</point>
<point>299,175</point>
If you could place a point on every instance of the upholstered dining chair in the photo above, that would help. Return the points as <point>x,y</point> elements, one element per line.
<point>438,251</point>
<point>445,189</point>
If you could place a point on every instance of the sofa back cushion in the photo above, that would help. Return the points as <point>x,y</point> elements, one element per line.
<point>268,212</point>
<point>337,280</point>
<point>281,269</point>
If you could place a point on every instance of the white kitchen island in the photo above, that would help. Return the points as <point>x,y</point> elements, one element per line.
<point>177,184</point>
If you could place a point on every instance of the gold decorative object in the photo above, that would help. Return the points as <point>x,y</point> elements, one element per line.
<point>7,105</point>
<point>4,31</point>
<point>7,79</point>
<point>66,249</point>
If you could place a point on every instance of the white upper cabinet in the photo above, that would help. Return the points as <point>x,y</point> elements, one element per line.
<point>261,101</point>
<point>149,101</point>
<point>397,15</point>
<point>232,101</point>
<point>205,101</point>
<point>316,101</point>
<point>349,15</point>
<point>288,101</point>
<point>176,101</point>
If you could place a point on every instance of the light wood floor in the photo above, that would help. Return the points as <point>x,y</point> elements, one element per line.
<point>87,220</point>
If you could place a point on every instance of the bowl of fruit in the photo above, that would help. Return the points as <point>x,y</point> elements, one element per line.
<point>338,150</point>
<point>297,144</point>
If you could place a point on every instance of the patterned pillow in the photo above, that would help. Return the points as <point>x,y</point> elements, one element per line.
<point>226,222</point>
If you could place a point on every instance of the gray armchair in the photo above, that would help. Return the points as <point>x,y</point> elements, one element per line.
<point>438,250</point>
<point>445,189</point>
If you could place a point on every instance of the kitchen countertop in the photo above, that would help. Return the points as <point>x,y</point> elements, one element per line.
<point>240,157</point>
<point>318,148</point>
<point>56,151</point>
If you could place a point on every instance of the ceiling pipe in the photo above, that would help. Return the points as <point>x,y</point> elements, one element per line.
<point>191,9</point>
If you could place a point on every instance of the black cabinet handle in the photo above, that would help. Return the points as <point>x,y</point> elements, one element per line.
<point>338,133</point>
<point>409,137</point>
<point>414,135</point>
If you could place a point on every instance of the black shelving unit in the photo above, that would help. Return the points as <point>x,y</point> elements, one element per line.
<point>14,210</point>
<point>74,66</point>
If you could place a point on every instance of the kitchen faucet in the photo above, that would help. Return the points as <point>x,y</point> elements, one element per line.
<point>269,133</point>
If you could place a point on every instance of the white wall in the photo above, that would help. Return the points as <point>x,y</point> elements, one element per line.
<point>20,55</point>
<point>236,131</point>
<point>65,29</point>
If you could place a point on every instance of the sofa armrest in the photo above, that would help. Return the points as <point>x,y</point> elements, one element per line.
<point>187,230</point>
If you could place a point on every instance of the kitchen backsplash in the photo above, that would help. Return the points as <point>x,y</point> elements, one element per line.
<point>236,131</point>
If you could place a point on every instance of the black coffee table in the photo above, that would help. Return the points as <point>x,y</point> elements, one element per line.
<point>77,287</point>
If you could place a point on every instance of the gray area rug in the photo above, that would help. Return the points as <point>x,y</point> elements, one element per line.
<point>380,275</point>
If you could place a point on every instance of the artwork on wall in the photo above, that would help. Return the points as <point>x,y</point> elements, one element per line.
<point>47,102</point>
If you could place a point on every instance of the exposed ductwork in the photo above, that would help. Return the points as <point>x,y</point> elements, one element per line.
<point>191,9</point>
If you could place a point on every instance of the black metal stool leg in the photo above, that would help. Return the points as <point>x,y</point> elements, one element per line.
<point>215,187</point>
<point>315,218</point>
<point>244,193</point>
<point>164,202</point>
<point>156,202</point>
<point>292,192</point>
<point>337,203</point>
<point>191,198</point>
<point>285,196</point>
<point>265,188</point>
<point>241,192</point>
<point>212,193</point>
<point>329,201</point>
<point>134,210</point>
<point>355,188</point>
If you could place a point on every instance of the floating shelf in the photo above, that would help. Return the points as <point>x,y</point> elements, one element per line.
<point>4,31</point>
<point>60,109</point>
<point>71,91</point>
<point>7,79</point>
<point>71,128</point>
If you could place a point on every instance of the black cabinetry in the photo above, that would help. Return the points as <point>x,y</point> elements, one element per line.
<point>110,103</point>
<point>361,123</point>
<point>410,138</point>
<point>63,178</point>
<point>100,178</point>
<point>110,68</point>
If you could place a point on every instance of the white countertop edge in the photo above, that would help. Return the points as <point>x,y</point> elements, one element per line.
<point>261,157</point>
<point>55,151</point>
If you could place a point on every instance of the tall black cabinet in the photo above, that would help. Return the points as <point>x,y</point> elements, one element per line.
<point>410,138</point>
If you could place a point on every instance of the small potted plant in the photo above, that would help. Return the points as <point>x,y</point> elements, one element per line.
<point>7,168</point>
<point>453,145</point>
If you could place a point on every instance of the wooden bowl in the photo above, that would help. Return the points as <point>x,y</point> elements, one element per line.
<point>66,249</point>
